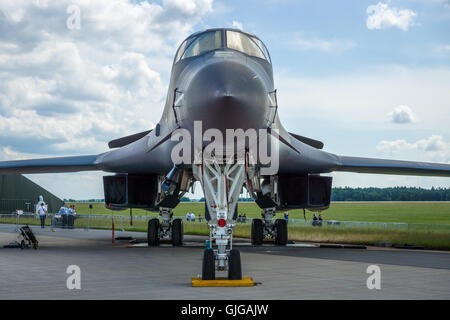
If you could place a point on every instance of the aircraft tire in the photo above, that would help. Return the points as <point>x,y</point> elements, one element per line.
<point>282,232</point>
<point>234,265</point>
<point>257,232</point>
<point>177,232</point>
<point>153,232</point>
<point>209,265</point>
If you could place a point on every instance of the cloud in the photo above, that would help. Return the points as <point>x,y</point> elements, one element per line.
<point>446,3</point>
<point>361,100</point>
<point>445,48</point>
<point>69,91</point>
<point>433,148</point>
<point>402,114</point>
<point>302,43</point>
<point>237,25</point>
<point>380,16</point>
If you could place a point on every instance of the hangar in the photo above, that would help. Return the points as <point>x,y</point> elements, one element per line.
<point>20,193</point>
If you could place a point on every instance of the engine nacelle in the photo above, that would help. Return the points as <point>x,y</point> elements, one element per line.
<point>305,191</point>
<point>130,191</point>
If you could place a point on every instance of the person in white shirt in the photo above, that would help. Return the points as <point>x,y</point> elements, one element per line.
<point>42,211</point>
<point>192,216</point>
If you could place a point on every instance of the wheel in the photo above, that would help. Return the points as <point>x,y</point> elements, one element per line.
<point>153,232</point>
<point>177,232</point>
<point>257,232</point>
<point>22,244</point>
<point>234,265</point>
<point>209,265</point>
<point>282,232</point>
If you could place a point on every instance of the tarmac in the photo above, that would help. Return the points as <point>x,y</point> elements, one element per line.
<point>123,270</point>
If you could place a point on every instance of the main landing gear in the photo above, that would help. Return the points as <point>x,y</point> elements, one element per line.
<point>267,229</point>
<point>165,230</point>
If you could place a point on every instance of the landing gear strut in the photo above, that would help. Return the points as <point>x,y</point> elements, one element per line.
<point>222,183</point>
<point>165,230</point>
<point>268,229</point>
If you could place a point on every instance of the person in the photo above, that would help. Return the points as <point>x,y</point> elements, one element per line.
<point>70,217</point>
<point>56,219</point>
<point>314,220</point>
<point>320,219</point>
<point>64,212</point>
<point>200,217</point>
<point>244,218</point>
<point>188,216</point>
<point>192,217</point>
<point>286,216</point>
<point>42,214</point>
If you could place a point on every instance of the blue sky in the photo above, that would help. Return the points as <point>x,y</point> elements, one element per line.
<point>369,78</point>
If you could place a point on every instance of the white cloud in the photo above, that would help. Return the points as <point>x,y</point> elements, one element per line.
<point>68,91</point>
<point>310,44</point>
<point>362,100</point>
<point>237,25</point>
<point>402,114</point>
<point>446,3</point>
<point>445,48</point>
<point>380,16</point>
<point>433,149</point>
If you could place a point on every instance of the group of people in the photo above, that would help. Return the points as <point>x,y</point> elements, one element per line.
<point>65,216</point>
<point>317,221</point>
<point>190,216</point>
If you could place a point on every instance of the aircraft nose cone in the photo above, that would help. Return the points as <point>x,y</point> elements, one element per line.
<point>227,95</point>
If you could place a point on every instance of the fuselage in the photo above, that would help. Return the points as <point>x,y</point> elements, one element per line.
<point>221,79</point>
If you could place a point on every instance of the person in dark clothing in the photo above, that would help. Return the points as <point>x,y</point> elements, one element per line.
<point>315,222</point>
<point>64,214</point>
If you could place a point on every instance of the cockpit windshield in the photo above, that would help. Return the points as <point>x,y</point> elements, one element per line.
<point>203,43</point>
<point>246,44</point>
<point>212,40</point>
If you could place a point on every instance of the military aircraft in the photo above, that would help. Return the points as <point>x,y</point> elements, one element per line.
<point>221,86</point>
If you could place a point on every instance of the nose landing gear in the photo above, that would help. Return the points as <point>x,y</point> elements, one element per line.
<point>222,183</point>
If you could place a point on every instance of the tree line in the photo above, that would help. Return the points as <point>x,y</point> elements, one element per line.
<point>390,194</point>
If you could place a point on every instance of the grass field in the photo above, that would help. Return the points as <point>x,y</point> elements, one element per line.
<point>407,212</point>
<point>418,214</point>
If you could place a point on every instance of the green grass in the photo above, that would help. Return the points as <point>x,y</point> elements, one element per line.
<point>415,214</point>
<point>407,212</point>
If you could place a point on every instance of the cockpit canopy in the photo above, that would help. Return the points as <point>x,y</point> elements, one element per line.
<point>200,43</point>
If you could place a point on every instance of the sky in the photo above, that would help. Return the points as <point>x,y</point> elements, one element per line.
<point>368,78</point>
